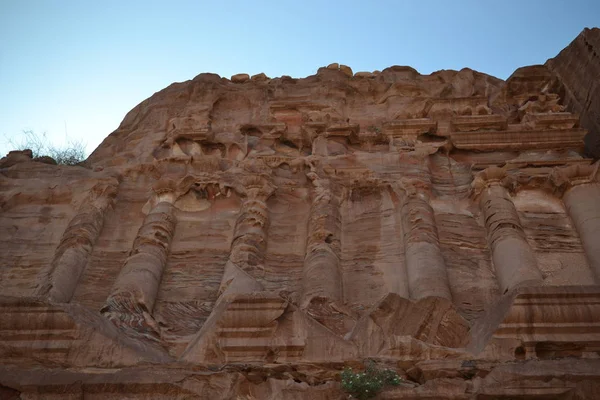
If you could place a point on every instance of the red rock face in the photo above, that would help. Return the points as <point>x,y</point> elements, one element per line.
<point>248,238</point>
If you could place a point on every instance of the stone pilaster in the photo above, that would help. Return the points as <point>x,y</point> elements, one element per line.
<point>249,244</point>
<point>426,269</point>
<point>582,201</point>
<point>76,244</point>
<point>513,258</point>
<point>321,276</point>
<point>133,295</point>
<point>250,233</point>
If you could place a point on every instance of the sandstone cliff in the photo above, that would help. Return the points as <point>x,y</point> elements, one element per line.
<point>577,69</point>
<point>250,237</point>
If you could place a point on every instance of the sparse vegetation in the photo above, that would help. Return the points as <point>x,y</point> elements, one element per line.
<point>72,153</point>
<point>374,129</point>
<point>366,385</point>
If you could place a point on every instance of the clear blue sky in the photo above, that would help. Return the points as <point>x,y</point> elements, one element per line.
<point>85,64</point>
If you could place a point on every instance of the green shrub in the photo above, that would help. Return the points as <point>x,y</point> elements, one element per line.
<point>365,385</point>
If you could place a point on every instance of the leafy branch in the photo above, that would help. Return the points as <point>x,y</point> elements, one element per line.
<point>365,385</point>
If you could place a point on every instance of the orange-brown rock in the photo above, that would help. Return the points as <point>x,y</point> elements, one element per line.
<point>251,240</point>
<point>259,77</point>
<point>240,78</point>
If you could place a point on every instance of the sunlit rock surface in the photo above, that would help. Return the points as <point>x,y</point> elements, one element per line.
<point>248,238</point>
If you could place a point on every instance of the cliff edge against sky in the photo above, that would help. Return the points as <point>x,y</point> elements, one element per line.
<point>250,237</point>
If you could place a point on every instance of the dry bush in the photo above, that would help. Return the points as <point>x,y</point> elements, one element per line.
<point>71,153</point>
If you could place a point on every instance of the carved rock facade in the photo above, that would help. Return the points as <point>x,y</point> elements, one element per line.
<point>248,238</point>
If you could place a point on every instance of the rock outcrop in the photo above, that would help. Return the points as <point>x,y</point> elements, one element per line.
<point>249,238</point>
<point>577,73</point>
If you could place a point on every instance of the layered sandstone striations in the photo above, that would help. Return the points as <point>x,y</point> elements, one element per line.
<point>248,238</point>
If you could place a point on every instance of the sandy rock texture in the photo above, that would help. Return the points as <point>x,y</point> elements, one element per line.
<point>249,238</point>
<point>577,78</point>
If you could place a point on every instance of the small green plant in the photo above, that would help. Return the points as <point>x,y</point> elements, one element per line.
<point>365,385</point>
<point>374,128</point>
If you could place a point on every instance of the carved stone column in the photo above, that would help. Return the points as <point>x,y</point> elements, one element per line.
<point>513,258</point>
<point>321,273</point>
<point>76,244</point>
<point>426,269</point>
<point>135,290</point>
<point>249,244</point>
<point>250,234</point>
<point>583,205</point>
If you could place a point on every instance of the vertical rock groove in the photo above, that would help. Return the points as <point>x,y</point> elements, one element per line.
<point>77,243</point>
<point>427,275</point>
<point>513,258</point>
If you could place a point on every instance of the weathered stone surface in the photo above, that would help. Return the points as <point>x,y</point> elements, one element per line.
<point>577,73</point>
<point>240,78</point>
<point>259,77</point>
<point>346,70</point>
<point>77,243</point>
<point>15,157</point>
<point>364,74</point>
<point>513,258</point>
<point>431,320</point>
<point>249,241</point>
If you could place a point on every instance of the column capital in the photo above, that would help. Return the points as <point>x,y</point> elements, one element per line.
<point>255,187</point>
<point>492,176</point>
<point>165,190</point>
<point>103,193</point>
<point>204,187</point>
<point>414,187</point>
<point>565,178</point>
<point>322,186</point>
